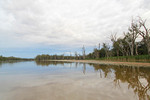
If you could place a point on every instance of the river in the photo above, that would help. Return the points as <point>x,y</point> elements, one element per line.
<point>51,80</point>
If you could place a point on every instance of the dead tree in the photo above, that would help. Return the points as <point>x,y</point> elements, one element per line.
<point>145,33</point>
<point>132,35</point>
<point>83,52</point>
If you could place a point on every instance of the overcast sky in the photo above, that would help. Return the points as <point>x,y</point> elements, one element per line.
<point>31,27</point>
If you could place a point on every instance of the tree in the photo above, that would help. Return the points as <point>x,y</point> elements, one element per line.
<point>76,55</point>
<point>115,44</point>
<point>83,52</point>
<point>106,48</point>
<point>96,53</point>
<point>99,46</point>
<point>123,47</point>
<point>63,56</point>
<point>131,36</point>
<point>102,53</point>
<point>141,48</point>
<point>70,55</point>
<point>145,33</point>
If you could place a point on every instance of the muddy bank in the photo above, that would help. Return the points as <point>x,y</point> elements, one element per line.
<point>136,64</point>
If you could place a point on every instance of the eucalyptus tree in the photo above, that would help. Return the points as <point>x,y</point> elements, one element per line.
<point>131,36</point>
<point>115,44</point>
<point>123,47</point>
<point>96,53</point>
<point>145,33</point>
<point>106,48</point>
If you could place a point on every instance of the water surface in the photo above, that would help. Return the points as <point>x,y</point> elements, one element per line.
<point>72,81</point>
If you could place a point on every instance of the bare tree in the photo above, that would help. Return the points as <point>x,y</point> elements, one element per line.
<point>83,52</point>
<point>131,36</point>
<point>145,33</point>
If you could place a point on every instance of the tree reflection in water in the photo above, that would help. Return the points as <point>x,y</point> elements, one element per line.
<point>11,62</point>
<point>138,78</point>
<point>47,63</point>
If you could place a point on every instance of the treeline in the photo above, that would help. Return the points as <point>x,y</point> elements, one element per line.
<point>124,48</point>
<point>127,46</point>
<point>12,58</point>
<point>58,57</point>
<point>76,56</point>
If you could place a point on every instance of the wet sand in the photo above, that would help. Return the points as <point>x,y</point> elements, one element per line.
<point>137,64</point>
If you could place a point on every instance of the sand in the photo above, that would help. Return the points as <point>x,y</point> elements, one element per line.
<point>136,64</point>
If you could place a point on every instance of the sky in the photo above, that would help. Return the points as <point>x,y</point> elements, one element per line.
<point>32,27</point>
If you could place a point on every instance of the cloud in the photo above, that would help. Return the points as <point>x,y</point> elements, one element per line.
<point>68,22</point>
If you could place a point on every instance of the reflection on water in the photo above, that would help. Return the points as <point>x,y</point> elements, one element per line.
<point>136,79</point>
<point>47,63</point>
<point>11,62</point>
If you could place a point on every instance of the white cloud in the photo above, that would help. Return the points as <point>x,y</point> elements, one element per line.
<point>68,22</point>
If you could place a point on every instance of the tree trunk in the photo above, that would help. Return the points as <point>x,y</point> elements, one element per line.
<point>132,50</point>
<point>148,48</point>
<point>136,51</point>
<point>117,53</point>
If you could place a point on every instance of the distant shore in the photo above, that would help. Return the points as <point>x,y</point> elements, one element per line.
<point>136,64</point>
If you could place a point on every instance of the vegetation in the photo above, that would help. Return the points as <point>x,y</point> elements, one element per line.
<point>58,57</point>
<point>126,48</point>
<point>138,58</point>
<point>12,58</point>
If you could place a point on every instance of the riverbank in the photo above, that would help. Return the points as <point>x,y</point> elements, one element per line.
<point>137,64</point>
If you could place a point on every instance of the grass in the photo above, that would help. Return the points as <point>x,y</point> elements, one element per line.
<point>138,58</point>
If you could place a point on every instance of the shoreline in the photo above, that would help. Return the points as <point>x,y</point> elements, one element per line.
<point>135,64</point>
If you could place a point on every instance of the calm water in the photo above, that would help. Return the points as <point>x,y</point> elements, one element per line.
<point>72,81</point>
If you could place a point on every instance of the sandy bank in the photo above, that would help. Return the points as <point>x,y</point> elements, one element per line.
<point>137,64</point>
